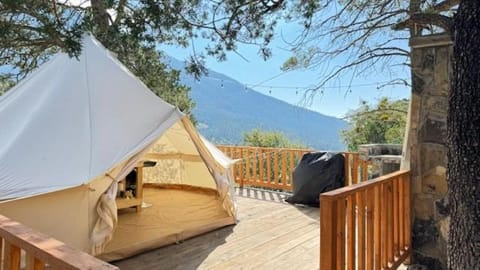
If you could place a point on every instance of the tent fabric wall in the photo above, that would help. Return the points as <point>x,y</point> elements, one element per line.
<point>178,161</point>
<point>75,127</point>
<point>62,214</point>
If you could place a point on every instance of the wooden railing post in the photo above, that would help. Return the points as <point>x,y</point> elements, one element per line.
<point>328,233</point>
<point>376,222</point>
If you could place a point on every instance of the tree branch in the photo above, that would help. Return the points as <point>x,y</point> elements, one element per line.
<point>446,5</point>
<point>439,20</point>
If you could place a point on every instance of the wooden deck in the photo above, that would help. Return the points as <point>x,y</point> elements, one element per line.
<point>270,234</point>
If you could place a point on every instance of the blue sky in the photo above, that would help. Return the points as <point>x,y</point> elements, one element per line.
<point>335,101</point>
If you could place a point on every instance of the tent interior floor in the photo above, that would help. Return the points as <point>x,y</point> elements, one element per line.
<point>270,234</point>
<point>172,216</point>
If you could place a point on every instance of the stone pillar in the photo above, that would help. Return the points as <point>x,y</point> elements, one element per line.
<point>426,147</point>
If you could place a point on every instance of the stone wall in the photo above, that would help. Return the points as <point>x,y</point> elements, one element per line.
<point>425,149</point>
<point>384,158</point>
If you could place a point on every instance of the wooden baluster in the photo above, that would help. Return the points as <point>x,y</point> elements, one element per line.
<point>401,210</point>
<point>407,216</point>
<point>268,157</point>
<point>389,195</point>
<point>370,224</point>
<point>328,232</point>
<point>233,156</point>
<point>361,229</point>
<point>254,159</point>
<point>351,239</point>
<point>292,168</point>
<point>275,167</point>
<point>261,160</point>
<point>377,238</point>
<point>11,258</point>
<point>33,263</point>
<point>340,215</point>
<point>38,265</point>
<point>347,169</point>
<point>247,166</point>
<point>241,165</point>
<point>6,256</point>
<point>2,246</point>
<point>364,170</point>
<point>355,169</point>
<point>384,233</point>
<point>396,218</point>
<point>284,168</point>
<point>29,261</point>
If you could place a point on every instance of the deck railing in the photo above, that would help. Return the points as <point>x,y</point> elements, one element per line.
<point>23,248</point>
<point>273,167</point>
<point>264,167</point>
<point>366,225</point>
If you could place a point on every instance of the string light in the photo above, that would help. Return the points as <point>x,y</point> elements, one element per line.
<point>297,88</point>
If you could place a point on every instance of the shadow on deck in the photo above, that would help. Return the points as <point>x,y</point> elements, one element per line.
<point>270,234</point>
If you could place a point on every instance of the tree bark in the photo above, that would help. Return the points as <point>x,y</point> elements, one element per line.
<point>463,124</point>
<point>100,18</point>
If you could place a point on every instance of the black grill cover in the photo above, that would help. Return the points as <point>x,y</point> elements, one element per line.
<point>317,173</point>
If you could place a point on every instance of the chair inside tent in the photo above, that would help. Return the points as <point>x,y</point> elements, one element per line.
<point>181,196</point>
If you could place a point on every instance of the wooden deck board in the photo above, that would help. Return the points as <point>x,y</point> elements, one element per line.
<point>270,234</point>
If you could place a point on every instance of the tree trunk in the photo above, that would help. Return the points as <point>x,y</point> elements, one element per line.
<point>100,18</point>
<point>463,123</point>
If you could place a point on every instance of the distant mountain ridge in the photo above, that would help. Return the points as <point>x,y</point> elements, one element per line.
<point>225,109</point>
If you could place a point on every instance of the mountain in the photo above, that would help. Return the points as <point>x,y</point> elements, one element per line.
<point>225,109</point>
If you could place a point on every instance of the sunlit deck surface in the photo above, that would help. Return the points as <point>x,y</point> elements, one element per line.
<point>270,234</point>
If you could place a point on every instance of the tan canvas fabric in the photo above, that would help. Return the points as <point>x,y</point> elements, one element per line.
<point>178,160</point>
<point>174,215</point>
<point>62,214</point>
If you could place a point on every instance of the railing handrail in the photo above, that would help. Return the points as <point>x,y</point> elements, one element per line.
<point>47,249</point>
<point>348,190</point>
<point>260,147</point>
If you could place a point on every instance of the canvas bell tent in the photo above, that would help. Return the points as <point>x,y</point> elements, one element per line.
<point>72,132</point>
